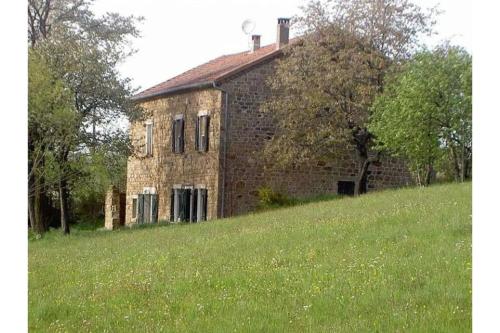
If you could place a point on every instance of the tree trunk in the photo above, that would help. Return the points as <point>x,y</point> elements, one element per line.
<point>63,191</point>
<point>462,173</point>
<point>31,202</point>
<point>31,211</point>
<point>467,167</point>
<point>63,202</point>
<point>456,164</point>
<point>31,186</point>
<point>361,180</point>
<point>39,225</point>
<point>362,139</point>
<point>428,174</point>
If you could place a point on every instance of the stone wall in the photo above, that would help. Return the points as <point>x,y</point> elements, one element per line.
<point>248,131</point>
<point>233,182</point>
<point>164,169</point>
<point>112,217</point>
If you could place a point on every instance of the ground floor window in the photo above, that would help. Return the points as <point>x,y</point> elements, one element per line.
<point>145,209</point>
<point>188,204</point>
<point>134,208</point>
<point>345,187</point>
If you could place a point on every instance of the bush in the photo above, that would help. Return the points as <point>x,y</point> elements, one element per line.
<point>269,198</point>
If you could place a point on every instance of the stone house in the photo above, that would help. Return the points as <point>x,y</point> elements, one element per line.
<point>197,147</point>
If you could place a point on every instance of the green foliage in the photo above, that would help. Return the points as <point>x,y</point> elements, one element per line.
<point>98,170</point>
<point>268,198</point>
<point>397,260</point>
<point>52,131</point>
<point>326,82</point>
<point>81,52</point>
<point>51,114</point>
<point>425,112</point>
<point>89,224</point>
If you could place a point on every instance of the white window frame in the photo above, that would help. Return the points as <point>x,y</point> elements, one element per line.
<point>149,190</point>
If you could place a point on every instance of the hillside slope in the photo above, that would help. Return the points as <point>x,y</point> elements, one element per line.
<point>396,260</point>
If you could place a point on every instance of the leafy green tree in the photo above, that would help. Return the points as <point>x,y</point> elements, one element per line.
<point>425,112</point>
<point>326,83</point>
<point>52,121</point>
<point>83,51</point>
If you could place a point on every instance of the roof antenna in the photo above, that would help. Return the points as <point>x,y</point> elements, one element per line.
<point>248,27</point>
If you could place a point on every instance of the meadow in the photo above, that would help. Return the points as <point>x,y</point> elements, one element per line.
<point>390,261</point>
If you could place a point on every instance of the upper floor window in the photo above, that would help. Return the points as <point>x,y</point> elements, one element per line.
<point>149,138</point>
<point>201,133</point>
<point>178,135</point>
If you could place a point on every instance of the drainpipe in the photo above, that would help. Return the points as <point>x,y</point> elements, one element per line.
<point>225,145</point>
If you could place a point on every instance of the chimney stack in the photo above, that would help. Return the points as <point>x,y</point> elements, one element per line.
<point>283,32</point>
<point>255,43</point>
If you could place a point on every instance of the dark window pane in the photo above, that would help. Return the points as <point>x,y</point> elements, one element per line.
<point>147,208</point>
<point>197,134</point>
<point>195,205</point>
<point>154,208</point>
<point>134,208</point>
<point>172,203</point>
<point>178,136</point>
<point>345,188</point>
<point>140,208</point>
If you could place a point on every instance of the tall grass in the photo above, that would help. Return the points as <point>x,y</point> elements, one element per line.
<point>391,261</point>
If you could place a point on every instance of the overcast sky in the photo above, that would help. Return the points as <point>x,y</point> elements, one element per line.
<point>178,35</point>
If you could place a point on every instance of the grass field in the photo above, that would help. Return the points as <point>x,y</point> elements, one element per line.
<point>393,261</point>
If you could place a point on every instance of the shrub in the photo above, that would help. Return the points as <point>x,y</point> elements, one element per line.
<point>269,198</point>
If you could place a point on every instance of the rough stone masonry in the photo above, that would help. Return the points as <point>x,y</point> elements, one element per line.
<point>230,91</point>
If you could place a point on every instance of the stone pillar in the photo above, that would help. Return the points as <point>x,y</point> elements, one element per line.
<point>112,209</point>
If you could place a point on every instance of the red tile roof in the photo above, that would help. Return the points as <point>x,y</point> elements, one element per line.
<point>211,72</point>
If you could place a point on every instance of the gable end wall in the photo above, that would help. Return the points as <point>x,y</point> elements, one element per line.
<point>248,131</point>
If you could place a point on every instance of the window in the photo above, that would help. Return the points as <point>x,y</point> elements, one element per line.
<point>178,135</point>
<point>147,208</point>
<point>188,204</point>
<point>202,195</point>
<point>149,139</point>
<point>345,188</point>
<point>134,208</point>
<point>201,132</point>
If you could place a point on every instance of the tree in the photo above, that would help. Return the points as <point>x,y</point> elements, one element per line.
<point>51,131</point>
<point>425,113</point>
<point>326,82</point>
<point>83,51</point>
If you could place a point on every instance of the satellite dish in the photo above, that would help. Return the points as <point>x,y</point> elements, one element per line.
<point>248,26</point>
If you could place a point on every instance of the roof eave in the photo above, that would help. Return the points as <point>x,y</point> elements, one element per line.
<point>207,84</point>
<point>186,87</point>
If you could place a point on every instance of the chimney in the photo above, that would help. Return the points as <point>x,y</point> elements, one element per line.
<point>255,43</point>
<point>283,30</point>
